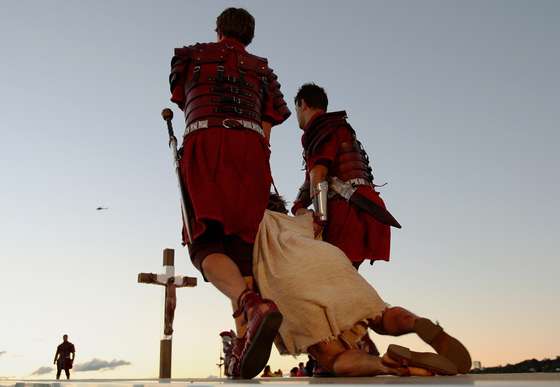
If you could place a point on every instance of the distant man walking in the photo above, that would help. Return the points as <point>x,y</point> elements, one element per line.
<point>62,357</point>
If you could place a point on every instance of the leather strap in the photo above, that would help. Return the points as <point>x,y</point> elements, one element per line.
<point>230,123</point>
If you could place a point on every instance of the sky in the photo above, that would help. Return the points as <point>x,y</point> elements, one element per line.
<point>457,104</point>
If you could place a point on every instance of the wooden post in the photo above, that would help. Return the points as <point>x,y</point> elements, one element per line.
<point>165,350</point>
<point>171,282</point>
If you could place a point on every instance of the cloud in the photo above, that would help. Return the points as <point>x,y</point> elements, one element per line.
<point>43,370</point>
<point>2,353</point>
<point>100,365</point>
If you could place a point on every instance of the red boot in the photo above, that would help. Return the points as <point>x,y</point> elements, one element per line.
<point>263,322</point>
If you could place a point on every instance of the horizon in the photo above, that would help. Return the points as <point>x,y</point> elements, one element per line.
<point>455,103</point>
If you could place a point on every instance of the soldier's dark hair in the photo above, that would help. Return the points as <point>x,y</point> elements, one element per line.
<point>313,95</point>
<point>236,23</point>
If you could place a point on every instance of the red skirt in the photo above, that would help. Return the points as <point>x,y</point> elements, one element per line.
<point>355,232</point>
<point>227,175</point>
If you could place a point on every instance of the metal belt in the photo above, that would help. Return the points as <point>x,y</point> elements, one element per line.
<point>230,123</point>
<point>358,181</point>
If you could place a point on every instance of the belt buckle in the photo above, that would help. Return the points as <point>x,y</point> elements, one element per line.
<point>230,123</point>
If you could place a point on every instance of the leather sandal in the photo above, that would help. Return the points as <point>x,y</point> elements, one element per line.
<point>427,360</point>
<point>263,321</point>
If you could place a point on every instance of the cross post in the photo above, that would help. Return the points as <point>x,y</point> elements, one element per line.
<point>171,283</point>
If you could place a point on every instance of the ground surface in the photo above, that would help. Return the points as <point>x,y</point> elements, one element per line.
<point>499,380</point>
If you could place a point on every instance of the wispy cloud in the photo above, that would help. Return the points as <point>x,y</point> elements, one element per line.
<point>100,365</point>
<point>43,371</point>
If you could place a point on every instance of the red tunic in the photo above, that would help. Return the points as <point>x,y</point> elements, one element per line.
<point>355,232</point>
<point>227,171</point>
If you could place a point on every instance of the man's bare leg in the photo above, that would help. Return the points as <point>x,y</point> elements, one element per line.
<point>250,354</point>
<point>398,321</point>
<point>240,322</point>
<point>395,321</point>
<point>224,274</point>
<point>333,356</point>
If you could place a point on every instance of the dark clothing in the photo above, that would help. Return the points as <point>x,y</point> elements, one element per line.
<point>59,371</point>
<point>64,350</point>
<point>225,169</point>
<point>310,366</point>
<point>63,359</point>
<point>223,80</point>
<point>225,165</point>
<point>214,241</point>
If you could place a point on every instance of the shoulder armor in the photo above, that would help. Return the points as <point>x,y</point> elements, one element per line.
<point>322,130</point>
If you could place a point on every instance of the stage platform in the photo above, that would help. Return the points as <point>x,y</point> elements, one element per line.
<point>495,380</point>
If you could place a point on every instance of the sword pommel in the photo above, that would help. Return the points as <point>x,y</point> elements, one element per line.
<point>167,114</point>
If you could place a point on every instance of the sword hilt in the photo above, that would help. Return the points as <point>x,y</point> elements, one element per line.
<point>167,115</point>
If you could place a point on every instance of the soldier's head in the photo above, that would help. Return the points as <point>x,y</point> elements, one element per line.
<point>65,338</point>
<point>236,23</point>
<point>310,100</point>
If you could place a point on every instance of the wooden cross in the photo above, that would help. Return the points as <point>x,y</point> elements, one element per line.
<point>171,283</point>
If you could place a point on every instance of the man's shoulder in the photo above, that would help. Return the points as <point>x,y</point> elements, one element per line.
<point>193,50</point>
<point>197,47</point>
<point>337,123</point>
<point>258,58</point>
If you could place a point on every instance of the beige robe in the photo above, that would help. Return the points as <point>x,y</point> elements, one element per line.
<point>316,288</point>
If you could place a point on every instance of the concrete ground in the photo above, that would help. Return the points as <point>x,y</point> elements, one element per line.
<point>496,380</point>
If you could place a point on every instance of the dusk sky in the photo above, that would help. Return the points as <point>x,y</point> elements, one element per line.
<point>457,104</point>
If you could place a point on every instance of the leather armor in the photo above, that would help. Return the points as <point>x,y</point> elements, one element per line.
<point>351,161</point>
<point>222,81</point>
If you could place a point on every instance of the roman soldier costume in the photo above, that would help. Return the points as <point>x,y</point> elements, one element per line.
<point>354,216</point>
<point>226,94</point>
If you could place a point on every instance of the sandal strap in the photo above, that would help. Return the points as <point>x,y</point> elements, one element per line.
<point>241,303</point>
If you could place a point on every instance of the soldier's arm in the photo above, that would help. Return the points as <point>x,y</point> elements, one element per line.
<point>179,64</point>
<point>55,356</point>
<point>321,160</point>
<point>303,199</point>
<point>319,163</point>
<point>267,127</point>
<point>274,109</point>
<point>319,187</point>
<point>318,174</point>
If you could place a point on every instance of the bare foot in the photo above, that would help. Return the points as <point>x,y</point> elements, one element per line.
<point>416,371</point>
<point>407,371</point>
<point>354,362</point>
